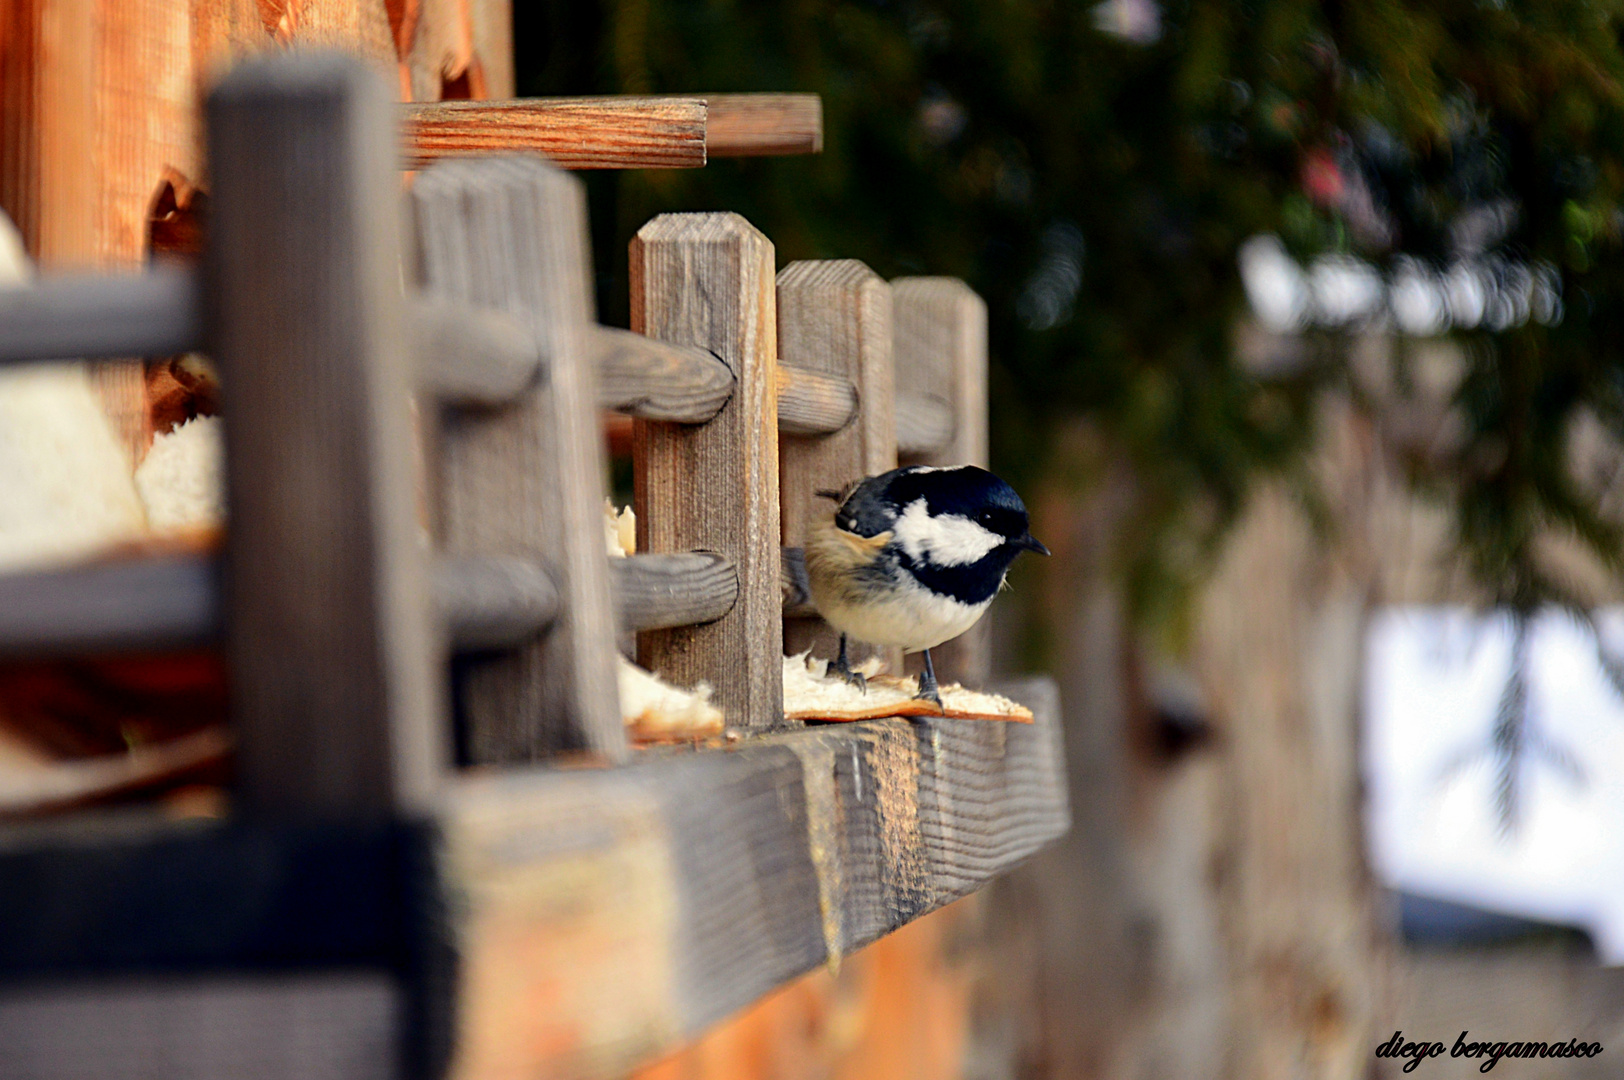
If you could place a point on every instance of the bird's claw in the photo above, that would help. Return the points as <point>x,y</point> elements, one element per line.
<point>853,678</point>
<point>934,696</point>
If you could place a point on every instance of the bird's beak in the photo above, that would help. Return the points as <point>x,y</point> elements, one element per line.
<point>1027,542</point>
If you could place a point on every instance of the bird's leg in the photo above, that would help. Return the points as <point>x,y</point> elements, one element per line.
<point>842,667</point>
<point>928,690</point>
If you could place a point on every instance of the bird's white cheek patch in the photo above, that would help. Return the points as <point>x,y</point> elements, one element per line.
<point>946,540</point>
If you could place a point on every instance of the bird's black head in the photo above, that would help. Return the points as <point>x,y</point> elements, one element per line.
<point>956,529</point>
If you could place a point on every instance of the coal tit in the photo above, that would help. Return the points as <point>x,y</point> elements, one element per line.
<point>913,557</point>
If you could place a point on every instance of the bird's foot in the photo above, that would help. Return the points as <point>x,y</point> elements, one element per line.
<point>928,690</point>
<point>841,666</point>
<point>855,678</point>
<point>933,695</point>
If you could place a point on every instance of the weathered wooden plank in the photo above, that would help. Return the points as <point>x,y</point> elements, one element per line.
<point>653,592</point>
<point>335,679</point>
<point>471,356</point>
<point>707,280</point>
<point>763,125</point>
<point>510,233</point>
<point>924,425</point>
<point>941,354</point>
<point>156,313</point>
<point>482,602</point>
<point>836,315</point>
<point>146,603</point>
<point>311,1026</point>
<point>598,916</point>
<point>656,380</point>
<point>493,601</point>
<point>573,133</point>
<point>813,402</point>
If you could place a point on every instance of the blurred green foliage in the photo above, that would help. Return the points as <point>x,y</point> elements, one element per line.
<point>1095,190</point>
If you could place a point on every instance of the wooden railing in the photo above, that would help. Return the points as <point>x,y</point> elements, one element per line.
<point>367,907</point>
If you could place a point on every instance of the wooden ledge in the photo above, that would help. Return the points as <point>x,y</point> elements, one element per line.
<point>617,132</point>
<point>553,921</point>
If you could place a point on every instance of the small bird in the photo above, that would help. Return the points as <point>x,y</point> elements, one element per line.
<point>913,557</point>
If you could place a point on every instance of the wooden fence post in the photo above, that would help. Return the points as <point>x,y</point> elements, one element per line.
<point>941,353</point>
<point>336,684</point>
<point>528,479</point>
<point>834,316</point>
<point>707,280</point>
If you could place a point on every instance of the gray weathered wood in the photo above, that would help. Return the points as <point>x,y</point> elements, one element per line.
<point>653,592</point>
<point>683,889</point>
<point>493,601</point>
<point>836,315</point>
<point>483,602</point>
<point>598,916</point>
<point>510,233</point>
<point>924,425</point>
<point>326,1026</point>
<point>813,402</point>
<point>335,680</point>
<point>470,356</point>
<point>155,313</point>
<point>142,603</point>
<point>656,380</point>
<point>707,280</point>
<point>941,354</point>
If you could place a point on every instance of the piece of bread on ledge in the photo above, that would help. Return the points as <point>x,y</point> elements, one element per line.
<point>811,694</point>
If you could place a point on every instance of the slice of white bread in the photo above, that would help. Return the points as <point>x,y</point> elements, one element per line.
<point>654,711</point>
<point>812,694</point>
<point>180,479</point>
<point>66,490</point>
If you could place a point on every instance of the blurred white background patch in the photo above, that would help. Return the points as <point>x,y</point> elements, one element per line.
<point>1435,678</point>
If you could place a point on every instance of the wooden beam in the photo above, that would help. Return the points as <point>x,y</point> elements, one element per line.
<point>707,280</point>
<point>573,133</point>
<point>156,313</point>
<point>654,592</point>
<point>836,316</point>
<point>597,917</point>
<point>813,402</point>
<point>336,684</point>
<point>470,356</point>
<point>763,125</point>
<point>494,601</point>
<point>656,380</point>
<point>528,480</point>
<point>941,354</point>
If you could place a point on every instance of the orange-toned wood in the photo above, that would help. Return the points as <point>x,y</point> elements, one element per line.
<point>575,133</point>
<point>764,125</point>
<point>98,110</point>
<point>898,1010</point>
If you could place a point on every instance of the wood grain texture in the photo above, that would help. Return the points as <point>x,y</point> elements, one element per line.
<point>156,313</point>
<point>763,125</point>
<point>707,280</point>
<point>813,402</point>
<point>469,356</point>
<point>574,133</point>
<point>835,318</point>
<point>510,234</point>
<point>655,592</point>
<point>336,682</point>
<point>598,916</point>
<point>941,353</point>
<point>655,380</point>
